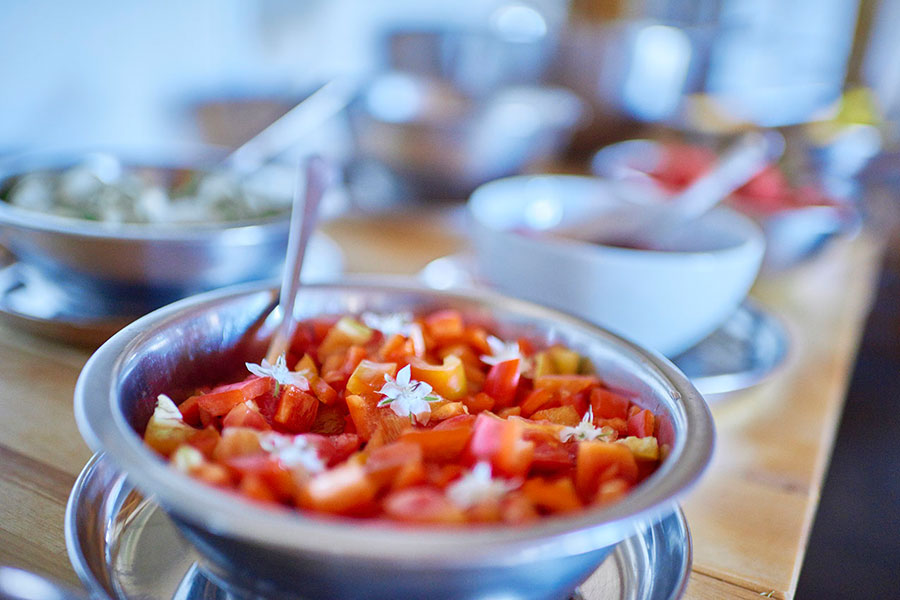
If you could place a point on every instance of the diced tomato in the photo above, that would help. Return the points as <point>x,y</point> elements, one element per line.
<point>205,440</point>
<point>439,444</point>
<point>515,454</point>
<point>476,337</point>
<point>369,419</point>
<point>368,376</point>
<point>441,411</point>
<point>398,464</point>
<point>571,390</point>
<point>448,379</point>
<point>538,399</point>
<point>608,405</point>
<point>502,382</point>
<point>341,489</point>
<point>213,474</point>
<point>422,504</point>
<point>243,415</point>
<point>480,402</point>
<point>566,385</point>
<point>565,361</point>
<point>457,421</point>
<point>641,424</point>
<point>485,441</point>
<point>237,441</point>
<point>516,509</point>
<point>267,473</point>
<point>363,411</point>
<point>551,456</point>
<point>190,411</point>
<point>598,461</point>
<point>502,443</point>
<point>267,404</point>
<point>561,415</point>
<point>296,411</point>
<point>768,184</point>
<point>334,449</point>
<point>611,491</point>
<point>324,392</point>
<point>223,398</point>
<point>329,420</point>
<point>445,326</point>
<point>254,487</point>
<point>337,368</point>
<point>345,333</point>
<point>680,164</point>
<point>463,352</point>
<point>395,349</point>
<point>509,411</point>
<point>619,425</point>
<point>165,435</point>
<point>556,496</point>
<point>304,339</point>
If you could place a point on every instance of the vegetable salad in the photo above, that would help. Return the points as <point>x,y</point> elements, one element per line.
<point>427,419</point>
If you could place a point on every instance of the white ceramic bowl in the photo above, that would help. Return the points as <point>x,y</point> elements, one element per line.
<point>666,299</point>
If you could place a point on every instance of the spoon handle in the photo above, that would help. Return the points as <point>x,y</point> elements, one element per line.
<point>308,192</point>
<point>290,128</point>
<point>740,163</point>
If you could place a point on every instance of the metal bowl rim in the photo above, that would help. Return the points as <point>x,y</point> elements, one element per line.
<point>105,429</point>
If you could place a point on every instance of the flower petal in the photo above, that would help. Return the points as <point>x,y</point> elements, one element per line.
<point>403,377</point>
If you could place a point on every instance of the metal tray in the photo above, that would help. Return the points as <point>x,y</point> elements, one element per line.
<point>747,349</point>
<point>31,302</point>
<point>124,547</point>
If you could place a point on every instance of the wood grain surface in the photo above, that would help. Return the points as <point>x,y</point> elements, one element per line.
<point>750,516</point>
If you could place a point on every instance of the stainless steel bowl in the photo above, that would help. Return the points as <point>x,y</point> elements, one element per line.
<point>138,265</point>
<point>273,553</point>
<point>440,142</point>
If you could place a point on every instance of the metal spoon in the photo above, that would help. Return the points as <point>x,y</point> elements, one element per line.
<point>275,139</point>
<point>642,224</point>
<point>304,216</point>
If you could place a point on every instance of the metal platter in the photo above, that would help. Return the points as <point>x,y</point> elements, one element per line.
<point>124,547</point>
<point>747,349</point>
<point>31,302</point>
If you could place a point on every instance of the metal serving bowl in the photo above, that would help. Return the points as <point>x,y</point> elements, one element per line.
<point>138,265</point>
<point>441,142</point>
<point>251,549</point>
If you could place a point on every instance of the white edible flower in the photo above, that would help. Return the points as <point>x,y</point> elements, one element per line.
<point>502,351</point>
<point>279,372</point>
<point>585,430</point>
<point>292,451</point>
<point>166,409</point>
<point>478,486</point>
<point>407,397</point>
<point>389,324</point>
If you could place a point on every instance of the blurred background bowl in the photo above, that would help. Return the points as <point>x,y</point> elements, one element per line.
<point>798,220</point>
<point>142,266</point>
<point>275,553</point>
<point>440,142</point>
<point>666,299</point>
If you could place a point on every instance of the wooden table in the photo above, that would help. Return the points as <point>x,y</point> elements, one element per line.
<point>750,516</point>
